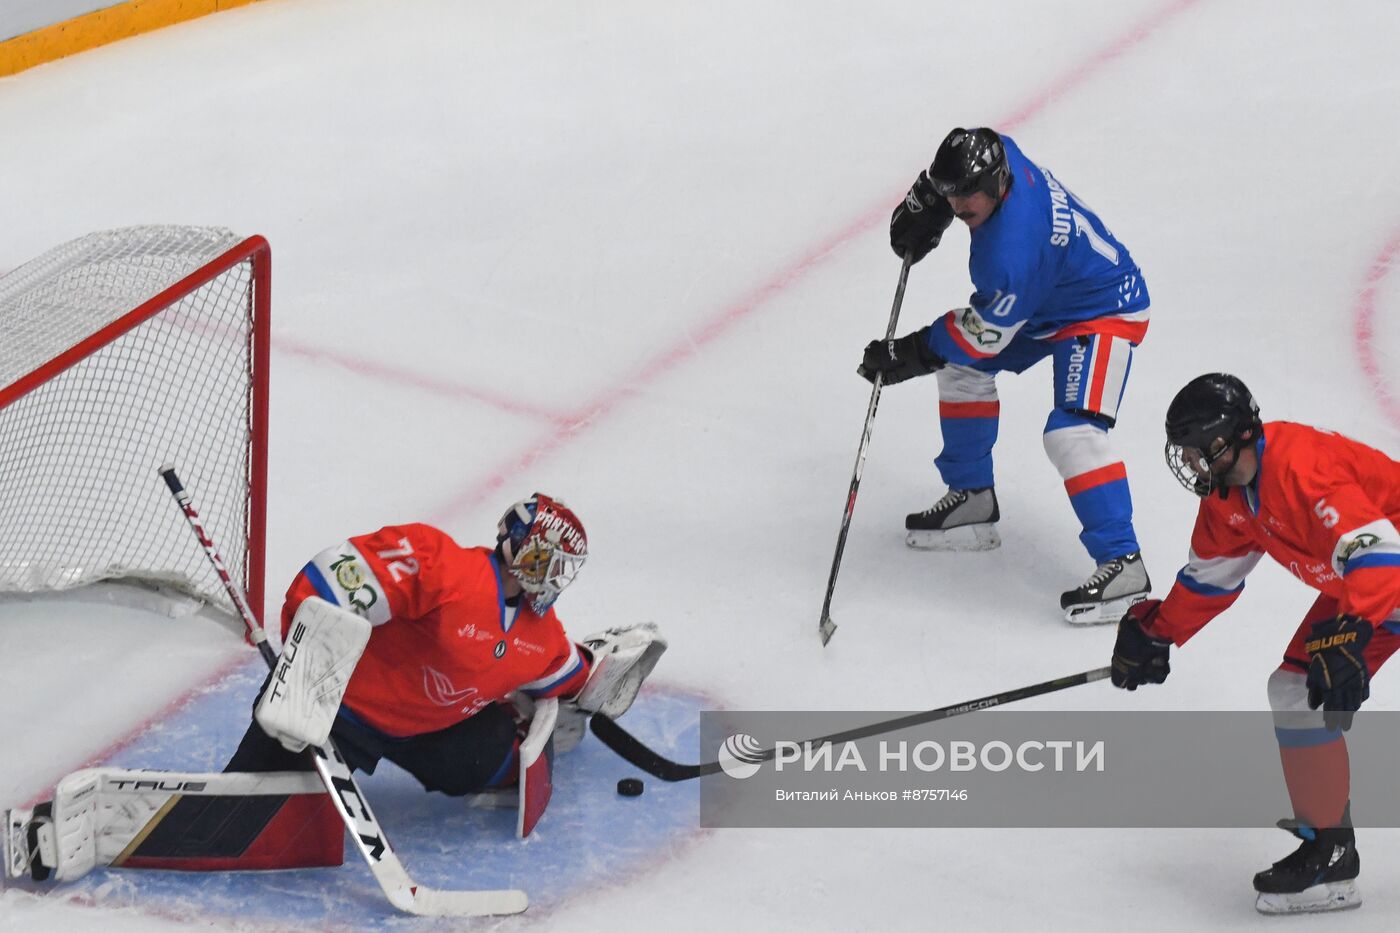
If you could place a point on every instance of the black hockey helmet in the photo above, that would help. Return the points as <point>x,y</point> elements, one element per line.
<point>969,161</point>
<point>1211,416</point>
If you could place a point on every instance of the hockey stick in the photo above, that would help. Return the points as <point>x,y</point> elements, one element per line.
<point>636,752</point>
<point>403,892</point>
<point>826,627</point>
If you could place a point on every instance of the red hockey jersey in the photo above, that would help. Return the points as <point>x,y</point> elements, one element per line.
<point>1322,505</point>
<point>444,643</point>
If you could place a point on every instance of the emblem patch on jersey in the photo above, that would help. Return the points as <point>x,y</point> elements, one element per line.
<point>439,688</point>
<point>1359,543</point>
<point>500,651</point>
<point>975,327</point>
<point>349,582</point>
<point>348,574</point>
<point>1372,545</point>
<point>351,578</point>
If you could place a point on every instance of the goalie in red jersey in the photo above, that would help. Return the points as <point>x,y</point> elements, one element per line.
<point>451,649</point>
<point>1327,508</point>
<point>448,661</point>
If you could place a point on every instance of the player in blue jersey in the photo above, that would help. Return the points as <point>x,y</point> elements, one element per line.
<point>1051,281</point>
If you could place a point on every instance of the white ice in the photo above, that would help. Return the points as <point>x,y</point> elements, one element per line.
<point>628,253</point>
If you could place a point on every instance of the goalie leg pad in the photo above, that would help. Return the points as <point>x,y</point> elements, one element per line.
<point>622,659</point>
<point>58,838</point>
<point>537,766</point>
<point>323,646</point>
<point>163,819</point>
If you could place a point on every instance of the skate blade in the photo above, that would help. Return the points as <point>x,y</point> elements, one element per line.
<point>16,842</point>
<point>1102,613</point>
<point>507,798</point>
<point>980,537</point>
<point>1339,895</point>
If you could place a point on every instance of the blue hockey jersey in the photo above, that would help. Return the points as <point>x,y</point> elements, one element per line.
<point>1044,263</point>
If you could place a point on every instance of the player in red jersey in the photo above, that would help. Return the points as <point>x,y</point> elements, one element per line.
<point>399,645</point>
<point>458,641</point>
<point>1327,508</point>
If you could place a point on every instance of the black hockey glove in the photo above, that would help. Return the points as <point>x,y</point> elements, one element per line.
<point>900,359</point>
<point>1337,677</point>
<point>918,223</point>
<point>1139,658</point>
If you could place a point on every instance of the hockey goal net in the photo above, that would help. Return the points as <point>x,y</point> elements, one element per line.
<point>119,352</point>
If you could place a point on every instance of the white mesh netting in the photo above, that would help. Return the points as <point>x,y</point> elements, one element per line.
<point>80,498</point>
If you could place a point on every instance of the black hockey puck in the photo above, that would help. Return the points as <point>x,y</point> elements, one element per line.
<point>629,787</point>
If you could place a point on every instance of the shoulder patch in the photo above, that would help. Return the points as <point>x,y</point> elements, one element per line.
<point>1373,545</point>
<point>352,583</point>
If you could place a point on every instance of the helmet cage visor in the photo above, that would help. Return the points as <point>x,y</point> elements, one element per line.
<point>544,568</point>
<point>1193,467</point>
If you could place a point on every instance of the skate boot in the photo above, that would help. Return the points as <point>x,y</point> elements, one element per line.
<point>1319,876</point>
<point>963,520</point>
<point>29,842</point>
<point>1109,592</point>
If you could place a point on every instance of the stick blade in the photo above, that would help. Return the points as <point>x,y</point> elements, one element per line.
<point>430,902</point>
<point>826,629</point>
<point>635,752</point>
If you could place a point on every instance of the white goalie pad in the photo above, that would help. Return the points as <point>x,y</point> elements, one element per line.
<point>56,840</point>
<point>97,815</point>
<point>323,646</point>
<point>622,659</point>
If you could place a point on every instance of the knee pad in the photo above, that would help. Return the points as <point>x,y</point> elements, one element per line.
<point>965,384</point>
<point>1076,444</point>
<point>1288,691</point>
<point>1288,698</point>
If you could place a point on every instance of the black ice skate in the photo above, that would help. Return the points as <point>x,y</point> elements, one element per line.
<point>1319,876</point>
<point>1109,592</point>
<point>963,520</point>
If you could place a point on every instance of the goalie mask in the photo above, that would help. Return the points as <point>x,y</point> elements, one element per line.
<point>542,544</point>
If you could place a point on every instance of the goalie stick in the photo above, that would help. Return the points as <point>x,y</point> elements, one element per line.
<point>826,627</point>
<point>636,752</point>
<point>401,890</point>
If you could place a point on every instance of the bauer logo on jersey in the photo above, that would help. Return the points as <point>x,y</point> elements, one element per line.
<point>975,327</point>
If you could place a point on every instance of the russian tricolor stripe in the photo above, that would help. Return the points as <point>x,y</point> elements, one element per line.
<point>969,409</point>
<point>1084,481</point>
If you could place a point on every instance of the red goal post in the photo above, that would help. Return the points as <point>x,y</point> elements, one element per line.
<point>119,352</point>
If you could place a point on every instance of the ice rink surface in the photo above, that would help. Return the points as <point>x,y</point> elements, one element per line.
<point>628,254</point>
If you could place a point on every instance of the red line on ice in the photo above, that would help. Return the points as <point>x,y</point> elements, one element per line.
<point>724,320</point>
<point>377,370</point>
<point>99,757</point>
<point>567,427</point>
<point>1364,329</point>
